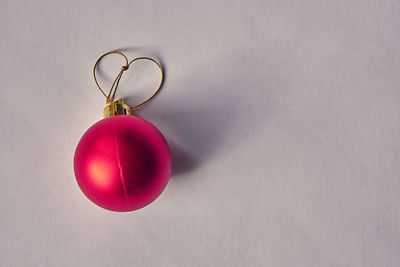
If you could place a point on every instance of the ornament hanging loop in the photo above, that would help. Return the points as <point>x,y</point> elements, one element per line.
<point>111,94</point>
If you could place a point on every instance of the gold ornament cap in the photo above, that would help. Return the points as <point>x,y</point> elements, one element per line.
<point>117,108</point>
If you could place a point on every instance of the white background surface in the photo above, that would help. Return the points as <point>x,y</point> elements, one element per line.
<point>283,118</point>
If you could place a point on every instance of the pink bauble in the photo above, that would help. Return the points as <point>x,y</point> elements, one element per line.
<point>122,163</point>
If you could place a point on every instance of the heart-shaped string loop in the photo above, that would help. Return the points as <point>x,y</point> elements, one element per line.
<point>111,94</point>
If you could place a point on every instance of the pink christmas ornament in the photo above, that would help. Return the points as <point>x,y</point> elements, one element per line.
<point>122,163</point>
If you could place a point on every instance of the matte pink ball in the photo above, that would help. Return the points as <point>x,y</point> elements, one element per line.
<point>122,163</point>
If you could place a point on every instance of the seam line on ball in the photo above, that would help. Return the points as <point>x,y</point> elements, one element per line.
<point>121,175</point>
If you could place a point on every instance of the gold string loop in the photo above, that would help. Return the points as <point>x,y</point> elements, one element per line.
<point>111,94</point>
